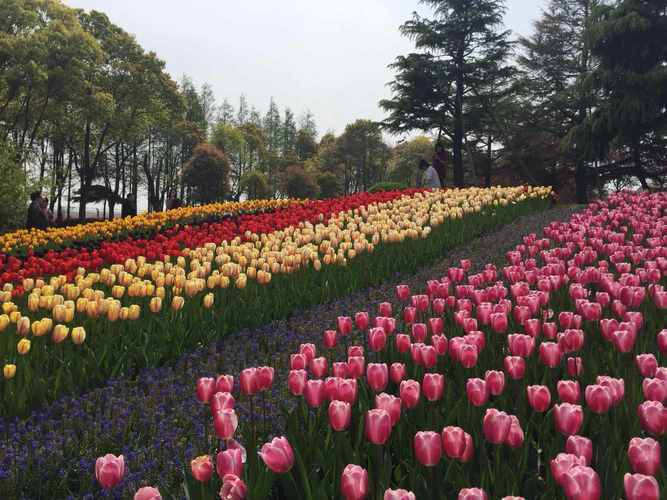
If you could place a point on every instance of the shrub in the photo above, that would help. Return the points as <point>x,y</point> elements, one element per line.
<point>255,185</point>
<point>299,183</point>
<point>207,174</point>
<point>329,185</point>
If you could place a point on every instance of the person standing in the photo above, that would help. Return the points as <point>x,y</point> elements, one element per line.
<point>440,160</point>
<point>37,218</point>
<point>129,206</point>
<point>430,178</point>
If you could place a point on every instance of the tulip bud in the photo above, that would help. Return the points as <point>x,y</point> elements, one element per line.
<point>428,448</point>
<point>568,418</point>
<point>539,397</point>
<point>230,461</point>
<point>278,455</point>
<point>644,456</point>
<point>225,423</point>
<point>581,447</point>
<point>477,391</point>
<point>433,385</point>
<point>9,371</point>
<point>472,494</point>
<point>23,347</point>
<point>640,487</point>
<point>109,470</point>
<point>354,482</point>
<point>377,376</point>
<point>340,415</point>
<point>202,468</point>
<point>78,335</point>
<point>409,391</point>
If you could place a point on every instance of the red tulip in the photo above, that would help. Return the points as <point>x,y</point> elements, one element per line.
<point>249,382</point>
<point>340,369</point>
<point>377,339</point>
<point>496,426</point>
<point>515,367</point>
<point>568,418</point>
<point>361,320</point>
<point>568,391</point>
<point>319,367</point>
<point>477,391</point>
<point>644,455</point>
<point>654,389</point>
<point>653,417</point>
<point>356,365</point>
<point>575,366</point>
<point>515,435</point>
<point>640,487</point>
<point>229,461</point>
<point>467,355</point>
<point>397,372</point>
<point>419,332</point>
<point>278,455</point>
<point>581,483</point>
<point>384,309</point>
<point>298,362</point>
<point>377,426</point>
<point>340,415</point>
<point>296,381</point>
<point>495,382</point>
<point>344,324</point>
<point>354,482</point>
<point>233,488</point>
<point>399,495</point>
<point>428,448</point>
<point>403,292</point>
<point>409,391</point>
<point>205,389</point>
<point>314,393</point>
<point>202,468</point>
<point>433,385</point>
<point>499,322</point>
<point>439,342</point>
<point>264,377</point>
<point>550,354</point>
<point>330,338</point>
<point>391,404</point>
<point>581,447</point>
<point>539,397</point>
<point>222,401</point>
<point>472,494</point>
<point>563,463</point>
<point>109,470</point>
<point>224,383</point>
<point>225,423</point>
<point>377,376</point>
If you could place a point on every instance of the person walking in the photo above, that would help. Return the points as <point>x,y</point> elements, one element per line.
<point>430,178</point>
<point>37,218</point>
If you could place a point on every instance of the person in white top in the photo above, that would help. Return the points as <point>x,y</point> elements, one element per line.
<point>430,178</point>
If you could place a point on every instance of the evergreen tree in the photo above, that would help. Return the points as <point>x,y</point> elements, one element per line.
<point>289,135</point>
<point>243,113</point>
<point>226,113</point>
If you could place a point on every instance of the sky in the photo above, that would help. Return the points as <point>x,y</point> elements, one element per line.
<point>327,57</point>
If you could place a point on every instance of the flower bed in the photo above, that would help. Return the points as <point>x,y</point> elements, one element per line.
<point>74,335</point>
<point>538,380</point>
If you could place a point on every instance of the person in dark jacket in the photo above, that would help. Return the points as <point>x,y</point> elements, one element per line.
<point>37,218</point>
<point>440,160</point>
<point>129,207</point>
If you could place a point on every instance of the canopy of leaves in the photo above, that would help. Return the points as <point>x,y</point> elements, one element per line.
<point>207,174</point>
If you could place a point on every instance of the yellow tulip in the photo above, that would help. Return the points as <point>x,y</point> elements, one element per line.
<point>177,303</point>
<point>23,326</point>
<point>78,335</point>
<point>9,371</point>
<point>155,305</point>
<point>134,312</point>
<point>23,347</point>
<point>208,300</point>
<point>4,322</point>
<point>60,333</point>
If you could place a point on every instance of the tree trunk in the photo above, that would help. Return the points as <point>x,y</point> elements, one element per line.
<point>85,173</point>
<point>489,163</point>
<point>458,123</point>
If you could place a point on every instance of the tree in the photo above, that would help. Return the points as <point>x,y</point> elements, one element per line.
<point>243,112</point>
<point>255,185</point>
<point>226,113</point>
<point>329,185</point>
<point>630,122</point>
<point>405,157</point>
<point>299,184</point>
<point>365,155</point>
<point>289,136</point>
<point>13,195</point>
<point>207,174</point>
<point>433,87</point>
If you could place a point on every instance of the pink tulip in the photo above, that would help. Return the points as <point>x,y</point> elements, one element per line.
<point>403,292</point>
<point>319,367</point>
<point>661,373</point>
<point>147,493</point>
<point>308,350</point>
<point>644,456</point>
<point>428,356</point>
<point>515,435</point>
<point>575,366</point>
<point>598,398</point>
<point>640,487</point>
<point>377,339</point>
<point>472,494</point>
<point>202,468</point>
<point>496,426</point>
<point>539,397</point>
<point>377,376</point>
<point>419,332</point>
<point>356,365</point>
<point>233,488</point>
<point>568,418</point>
<point>515,367</point>
<point>403,343</point>
<point>571,340</point>
<point>439,342</point>
<point>563,463</point>
<point>384,308</point>
<point>453,442</point>
<point>477,391</point>
<point>355,350</point>
<point>568,391</point>
<point>549,330</point>
<point>340,415</point>
<point>654,389</point>
<point>409,314</point>
<point>377,426</point>
<point>354,482</point>
<point>399,495</point>
<point>278,455</point>
<point>521,345</point>
<point>624,340</point>
<point>340,369</point>
<point>616,387</point>
<point>397,372</point>
<point>409,391</point>
<point>647,364</point>
<point>109,470</point>
<point>550,354</point>
<point>222,401</point>
<point>314,393</point>
<point>581,483</point>
<point>347,390</point>
<point>229,461</point>
<point>344,324</point>
<point>662,341</point>
<point>420,302</point>
<point>653,417</point>
<point>225,423</point>
<point>499,322</point>
<point>495,382</point>
<point>330,338</point>
<point>468,355</point>
<point>532,327</point>
<point>249,382</point>
<point>296,381</point>
<point>581,447</point>
<point>428,448</point>
<point>361,321</point>
<point>205,389</point>
<point>391,404</point>
<point>298,361</point>
<point>224,383</point>
<point>264,377</point>
<point>437,326</point>
<point>433,385</point>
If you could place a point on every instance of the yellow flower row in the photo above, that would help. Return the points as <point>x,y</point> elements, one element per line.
<point>37,238</point>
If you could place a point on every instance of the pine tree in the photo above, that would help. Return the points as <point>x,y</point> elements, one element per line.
<point>289,135</point>
<point>242,115</point>
<point>226,113</point>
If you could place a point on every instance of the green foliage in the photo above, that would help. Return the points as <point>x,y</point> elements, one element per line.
<point>207,174</point>
<point>255,185</point>
<point>405,159</point>
<point>364,155</point>
<point>387,186</point>
<point>299,184</point>
<point>329,185</point>
<point>13,191</point>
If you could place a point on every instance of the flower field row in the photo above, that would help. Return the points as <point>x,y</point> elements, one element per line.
<point>541,379</point>
<point>69,332</point>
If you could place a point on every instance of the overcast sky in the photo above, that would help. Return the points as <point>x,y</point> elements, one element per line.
<point>329,57</point>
